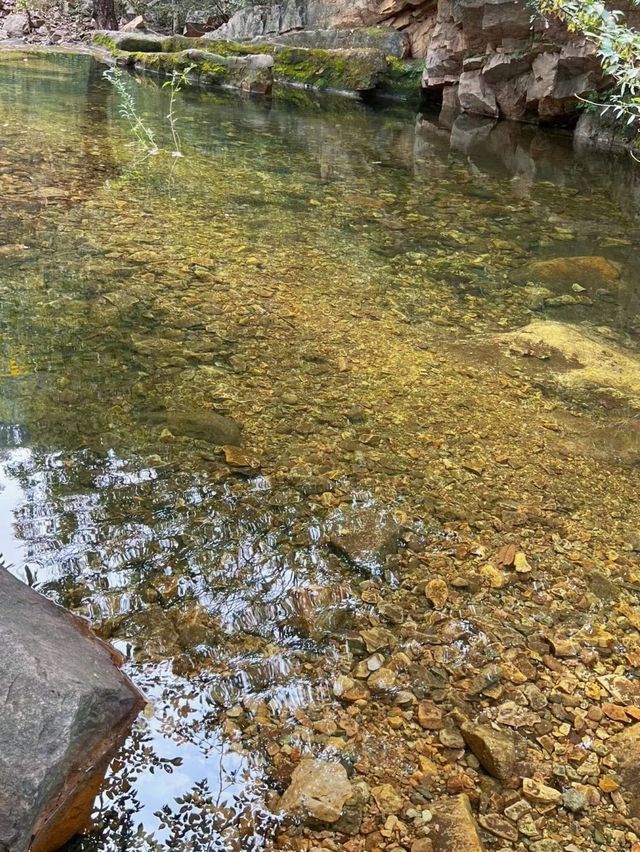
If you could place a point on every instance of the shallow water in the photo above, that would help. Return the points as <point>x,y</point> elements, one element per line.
<point>333,278</point>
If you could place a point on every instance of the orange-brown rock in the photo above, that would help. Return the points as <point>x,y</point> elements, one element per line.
<point>454,826</point>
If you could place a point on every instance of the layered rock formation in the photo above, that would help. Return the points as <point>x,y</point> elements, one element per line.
<point>486,57</point>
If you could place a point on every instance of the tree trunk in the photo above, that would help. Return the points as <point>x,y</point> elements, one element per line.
<point>105,16</point>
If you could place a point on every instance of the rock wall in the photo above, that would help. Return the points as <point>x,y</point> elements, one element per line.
<point>485,57</point>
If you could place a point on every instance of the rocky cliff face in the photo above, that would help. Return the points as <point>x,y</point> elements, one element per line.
<point>486,57</point>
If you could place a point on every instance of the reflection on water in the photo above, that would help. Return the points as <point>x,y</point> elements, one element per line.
<point>331,279</point>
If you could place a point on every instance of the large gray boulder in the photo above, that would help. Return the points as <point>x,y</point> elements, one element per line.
<point>65,709</point>
<point>15,25</point>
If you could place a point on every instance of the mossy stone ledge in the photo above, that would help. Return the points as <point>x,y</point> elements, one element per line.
<point>355,72</point>
<point>251,73</point>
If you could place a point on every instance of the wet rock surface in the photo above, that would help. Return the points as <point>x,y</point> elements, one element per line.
<point>205,426</point>
<point>365,536</point>
<point>491,58</point>
<point>318,792</point>
<point>66,709</point>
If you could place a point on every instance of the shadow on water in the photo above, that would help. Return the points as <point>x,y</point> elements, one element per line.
<point>313,270</point>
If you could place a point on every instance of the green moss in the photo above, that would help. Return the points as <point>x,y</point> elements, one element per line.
<point>403,80</point>
<point>339,70</point>
<point>103,40</point>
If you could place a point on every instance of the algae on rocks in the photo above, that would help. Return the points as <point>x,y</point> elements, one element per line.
<point>351,71</point>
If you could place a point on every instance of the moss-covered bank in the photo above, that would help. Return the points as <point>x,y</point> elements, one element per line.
<point>255,66</point>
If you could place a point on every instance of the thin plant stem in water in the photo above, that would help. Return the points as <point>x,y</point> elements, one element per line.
<point>143,134</point>
<point>177,81</point>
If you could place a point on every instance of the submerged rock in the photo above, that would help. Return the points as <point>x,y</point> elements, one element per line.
<point>66,709</point>
<point>588,271</point>
<point>365,535</point>
<point>454,827</point>
<point>205,425</point>
<point>595,362</point>
<point>318,792</point>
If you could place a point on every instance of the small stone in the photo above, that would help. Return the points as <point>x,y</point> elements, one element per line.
<point>342,684</point>
<point>527,826</point>
<point>495,824</point>
<point>382,680</point>
<point>241,460</point>
<point>391,613</point>
<point>349,689</point>
<point>318,790</point>
<point>437,592</point>
<point>205,425</point>
<point>506,556</point>
<point>615,712</point>
<point>388,800</point>
<point>377,638</point>
<point>451,738</point>
<point>521,564</point>
<point>495,750</point>
<point>536,698</point>
<point>607,784</point>
<point>536,791</point>
<point>325,726</point>
<point>619,803</point>
<point>375,662</point>
<point>430,716</point>
<point>574,801</point>
<point>545,846</point>
<point>405,698</point>
<point>493,577</point>
<point>517,810</point>
<point>424,844</point>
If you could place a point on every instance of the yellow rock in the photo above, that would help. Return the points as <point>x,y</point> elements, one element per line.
<point>595,361</point>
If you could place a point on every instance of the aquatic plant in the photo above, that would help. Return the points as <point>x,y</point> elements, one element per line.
<point>177,81</point>
<point>143,134</point>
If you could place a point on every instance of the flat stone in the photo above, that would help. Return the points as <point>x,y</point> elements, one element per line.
<point>430,716</point>
<point>451,738</point>
<point>454,828</point>
<point>376,638</point>
<point>318,791</point>
<point>66,709</point>
<point>540,793</point>
<point>241,460</point>
<point>382,680</point>
<point>499,826</point>
<point>496,750</point>
<point>366,536</point>
<point>387,799</point>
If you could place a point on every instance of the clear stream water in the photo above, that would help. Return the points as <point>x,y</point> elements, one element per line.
<point>334,278</point>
